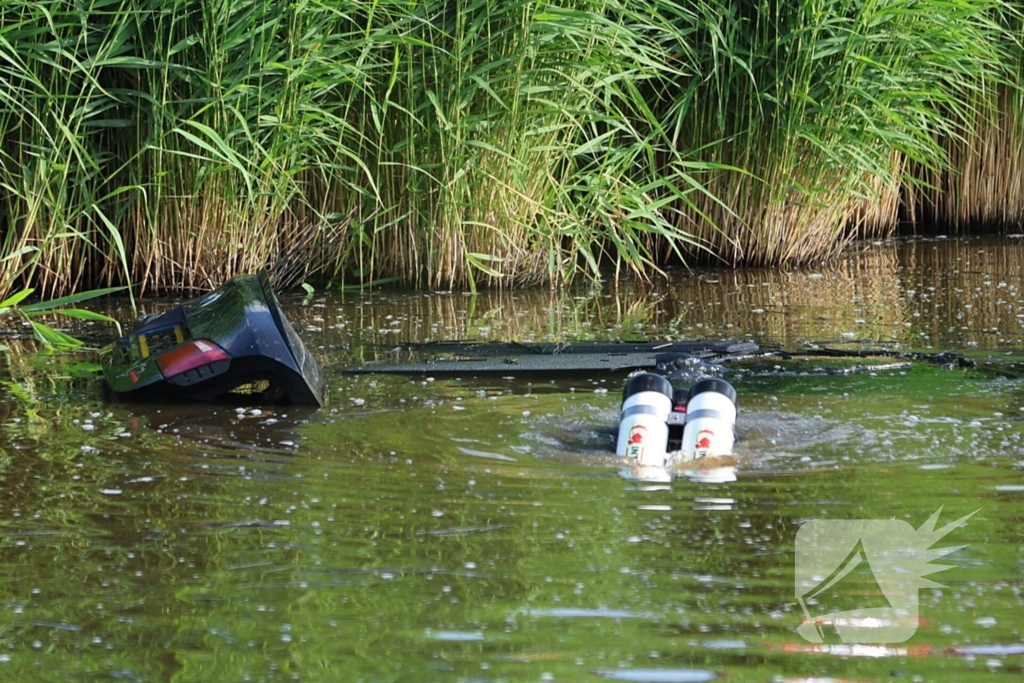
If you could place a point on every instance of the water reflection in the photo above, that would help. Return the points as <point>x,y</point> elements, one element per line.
<point>701,475</point>
<point>711,475</point>
<point>943,293</point>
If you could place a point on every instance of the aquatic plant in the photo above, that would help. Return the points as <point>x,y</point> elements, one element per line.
<point>46,334</point>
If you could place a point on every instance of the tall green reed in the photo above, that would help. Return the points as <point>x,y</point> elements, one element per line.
<point>479,142</point>
<point>55,198</point>
<point>443,143</point>
<point>514,140</point>
<point>833,108</point>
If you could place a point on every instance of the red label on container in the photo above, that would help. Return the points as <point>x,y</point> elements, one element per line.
<point>635,441</point>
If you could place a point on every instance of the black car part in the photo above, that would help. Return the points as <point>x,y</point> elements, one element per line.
<point>233,343</point>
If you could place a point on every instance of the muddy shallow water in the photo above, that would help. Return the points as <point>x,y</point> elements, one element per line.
<point>479,529</point>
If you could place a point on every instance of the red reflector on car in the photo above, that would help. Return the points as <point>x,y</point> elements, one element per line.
<point>190,356</point>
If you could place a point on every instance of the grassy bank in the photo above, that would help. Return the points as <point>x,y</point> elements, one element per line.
<point>450,144</point>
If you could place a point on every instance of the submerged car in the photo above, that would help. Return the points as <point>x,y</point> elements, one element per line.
<point>233,343</point>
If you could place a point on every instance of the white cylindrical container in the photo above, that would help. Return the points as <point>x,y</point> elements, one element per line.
<point>643,427</point>
<point>710,420</point>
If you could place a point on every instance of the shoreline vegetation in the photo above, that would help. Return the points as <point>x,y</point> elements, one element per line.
<point>492,143</point>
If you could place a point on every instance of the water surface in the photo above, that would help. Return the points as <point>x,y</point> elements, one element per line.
<point>475,529</point>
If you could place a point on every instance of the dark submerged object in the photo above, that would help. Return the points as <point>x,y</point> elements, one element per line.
<point>232,342</point>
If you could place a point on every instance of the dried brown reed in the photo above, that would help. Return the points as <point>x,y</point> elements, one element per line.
<point>983,188</point>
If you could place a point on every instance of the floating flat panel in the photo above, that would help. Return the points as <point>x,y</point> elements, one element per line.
<point>511,358</point>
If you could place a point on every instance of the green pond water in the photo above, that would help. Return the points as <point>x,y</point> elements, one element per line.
<point>481,529</point>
